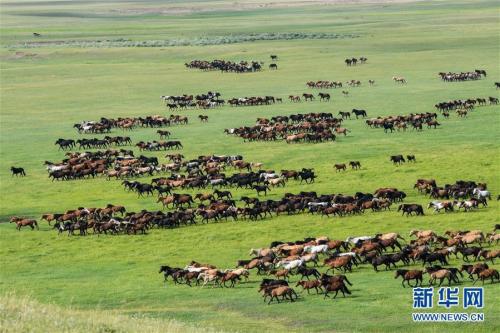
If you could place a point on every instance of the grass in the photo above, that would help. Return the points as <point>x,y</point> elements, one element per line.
<point>22,314</point>
<point>42,96</point>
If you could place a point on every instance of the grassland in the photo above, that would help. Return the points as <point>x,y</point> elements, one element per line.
<point>44,94</point>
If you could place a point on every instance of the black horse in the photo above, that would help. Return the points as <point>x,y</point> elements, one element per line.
<point>409,209</point>
<point>397,159</point>
<point>261,188</point>
<point>17,171</point>
<point>358,113</point>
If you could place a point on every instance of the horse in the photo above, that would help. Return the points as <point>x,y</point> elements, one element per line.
<point>411,158</point>
<point>24,222</point>
<point>324,97</point>
<point>441,275</point>
<point>341,130</point>
<point>340,167</point>
<point>307,285</point>
<point>438,206</point>
<point>306,272</point>
<point>358,113</point>
<point>282,291</point>
<point>355,165</point>
<point>399,79</point>
<point>345,115</point>
<point>489,273</point>
<point>17,171</point>
<point>408,209</point>
<point>408,275</point>
<point>397,159</point>
<point>203,119</point>
<point>336,286</point>
<point>480,194</point>
<point>307,96</point>
<point>273,66</point>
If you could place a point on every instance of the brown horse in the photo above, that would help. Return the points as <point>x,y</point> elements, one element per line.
<point>489,273</point>
<point>409,275</point>
<point>50,217</point>
<point>282,291</point>
<point>341,130</point>
<point>307,285</point>
<point>336,286</point>
<point>441,275</point>
<point>23,222</point>
<point>340,167</point>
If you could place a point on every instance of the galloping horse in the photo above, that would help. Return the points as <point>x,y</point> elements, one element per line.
<point>23,222</point>
<point>17,171</point>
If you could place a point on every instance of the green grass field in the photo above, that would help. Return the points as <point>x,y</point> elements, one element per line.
<point>46,89</point>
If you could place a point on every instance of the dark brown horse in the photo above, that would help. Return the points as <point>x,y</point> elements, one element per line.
<point>408,275</point>
<point>340,167</point>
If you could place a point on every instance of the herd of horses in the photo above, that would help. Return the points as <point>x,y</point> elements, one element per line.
<point>402,122</point>
<point>464,104</point>
<point>104,125</point>
<point>466,195</point>
<point>202,101</point>
<point>282,261</point>
<point>226,65</point>
<point>354,61</point>
<point>295,128</point>
<point>322,84</point>
<point>462,76</point>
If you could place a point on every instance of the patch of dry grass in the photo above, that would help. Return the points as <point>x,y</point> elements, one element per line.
<point>23,314</point>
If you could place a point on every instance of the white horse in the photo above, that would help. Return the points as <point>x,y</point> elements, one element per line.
<point>467,205</point>
<point>316,248</point>
<point>354,240</point>
<point>318,204</point>
<point>195,269</point>
<point>260,252</point>
<point>289,265</point>
<point>438,206</point>
<point>481,194</point>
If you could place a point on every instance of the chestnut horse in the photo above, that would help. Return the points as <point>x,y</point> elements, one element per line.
<point>24,222</point>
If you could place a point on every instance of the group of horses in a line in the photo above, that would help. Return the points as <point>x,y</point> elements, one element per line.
<point>202,101</point>
<point>281,261</point>
<point>402,122</point>
<point>227,65</point>
<point>254,101</point>
<point>111,163</point>
<point>104,125</point>
<point>464,104</point>
<point>97,143</point>
<point>159,145</point>
<point>220,204</point>
<point>107,221</point>
<point>463,194</point>
<point>462,76</point>
<point>311,127</point>
<point>354,61</point>
<point>212,176</point>
<point>325,84</point>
